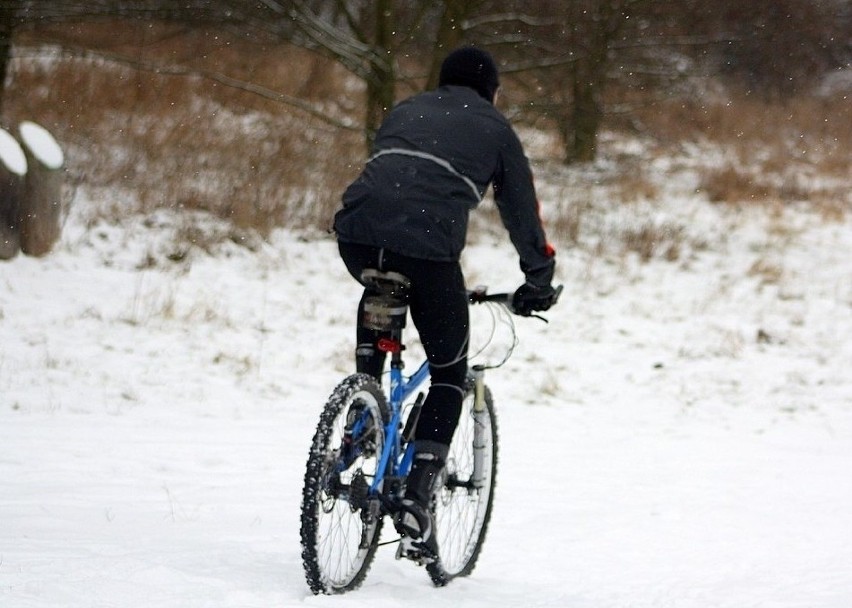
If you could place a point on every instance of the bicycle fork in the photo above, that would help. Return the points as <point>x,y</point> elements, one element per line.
<point>480,418</point>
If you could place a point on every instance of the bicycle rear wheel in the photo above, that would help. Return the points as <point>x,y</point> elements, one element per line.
<point>339,530</point>
<point>463,506</point>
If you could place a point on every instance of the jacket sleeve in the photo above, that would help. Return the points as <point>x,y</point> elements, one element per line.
<point>514,193</point>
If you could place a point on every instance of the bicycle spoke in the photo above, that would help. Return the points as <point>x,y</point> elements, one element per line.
<point>462,511</point>
<point>338,539</point>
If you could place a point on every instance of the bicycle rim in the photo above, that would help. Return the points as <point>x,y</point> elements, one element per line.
<point>339,536</point>
<point>462,512</point>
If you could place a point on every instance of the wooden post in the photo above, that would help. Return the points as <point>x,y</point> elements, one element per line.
<point>13,168</point>
<point>41,205</point>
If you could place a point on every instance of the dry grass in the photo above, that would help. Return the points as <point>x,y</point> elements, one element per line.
<point>768,272</point>
<point>651,240</point>
<point>567,226</point>
<point>188,142</point>
<point>777,153</point>
<point>633,186</point>
<point>729,184</point>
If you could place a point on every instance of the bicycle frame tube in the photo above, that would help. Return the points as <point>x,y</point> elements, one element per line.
<point>480,414</point>
<point>406,387</point>
<point>400,390</point>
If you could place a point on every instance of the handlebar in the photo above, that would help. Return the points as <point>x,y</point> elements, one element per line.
<point>480,295</point>
<point>504,300</point>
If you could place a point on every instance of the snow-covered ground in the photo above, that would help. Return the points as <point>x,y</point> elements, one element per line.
<point>679,435</point>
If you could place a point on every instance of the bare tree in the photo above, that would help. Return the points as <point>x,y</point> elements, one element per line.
<point>454,20</point>
<point>566,52</point>
<point>29,14</point>
<point>367,37</point>
<point>775,47</point>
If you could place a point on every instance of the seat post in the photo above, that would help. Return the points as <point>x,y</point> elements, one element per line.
<point>386,309</point>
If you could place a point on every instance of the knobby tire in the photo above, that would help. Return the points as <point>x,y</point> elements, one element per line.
<point>462,513</point>
<point>339,539</point>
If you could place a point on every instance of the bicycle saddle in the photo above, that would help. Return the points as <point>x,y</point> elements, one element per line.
<point>385,283</point>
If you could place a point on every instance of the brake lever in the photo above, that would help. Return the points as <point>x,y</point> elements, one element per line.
<point>556,293</point>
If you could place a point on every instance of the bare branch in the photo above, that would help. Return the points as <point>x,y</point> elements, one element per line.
<point>469,24</point>
<point>348,50</point>
<point>343,7</point>
<point>176,70</point>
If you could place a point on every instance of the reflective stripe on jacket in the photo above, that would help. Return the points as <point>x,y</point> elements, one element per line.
<point>434,157</point>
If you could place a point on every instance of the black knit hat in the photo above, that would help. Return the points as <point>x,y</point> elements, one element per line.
<point>471,67</point>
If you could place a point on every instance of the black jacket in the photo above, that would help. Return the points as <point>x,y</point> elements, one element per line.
<point>433,159</point>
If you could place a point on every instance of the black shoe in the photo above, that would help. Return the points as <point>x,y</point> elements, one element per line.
<point>415,520</point>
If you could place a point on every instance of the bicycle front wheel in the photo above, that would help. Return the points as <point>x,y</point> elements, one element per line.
<point>463,506</point>
<point>339,530</point>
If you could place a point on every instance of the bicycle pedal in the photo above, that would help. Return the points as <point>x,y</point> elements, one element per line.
<point>414,551</point>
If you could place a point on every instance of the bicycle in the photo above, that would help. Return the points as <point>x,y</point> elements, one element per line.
<point>362,451</point>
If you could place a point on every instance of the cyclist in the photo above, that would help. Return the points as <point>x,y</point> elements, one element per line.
<point>433,159</point>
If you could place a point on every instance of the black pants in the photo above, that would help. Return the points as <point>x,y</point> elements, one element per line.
<point>439,309</point>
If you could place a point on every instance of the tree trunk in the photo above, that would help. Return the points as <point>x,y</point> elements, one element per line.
<point>380,98</point>
<point>582,143</point>
<point>13,168</point>
<point>381,84</point>
<point>450,35</point>
<point>596,25</point>
<point>7,28</point>
<point>41,205</point>
<point>10,196</point>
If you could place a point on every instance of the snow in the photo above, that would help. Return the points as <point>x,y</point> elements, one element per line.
<point>679,435</point>
<point>42,144</point>
<point>11,154</point>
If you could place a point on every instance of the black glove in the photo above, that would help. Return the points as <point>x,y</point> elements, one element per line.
<point>530,298</point>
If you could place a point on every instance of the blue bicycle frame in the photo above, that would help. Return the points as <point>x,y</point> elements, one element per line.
<point>401,388</point>
<point>395,461</point>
